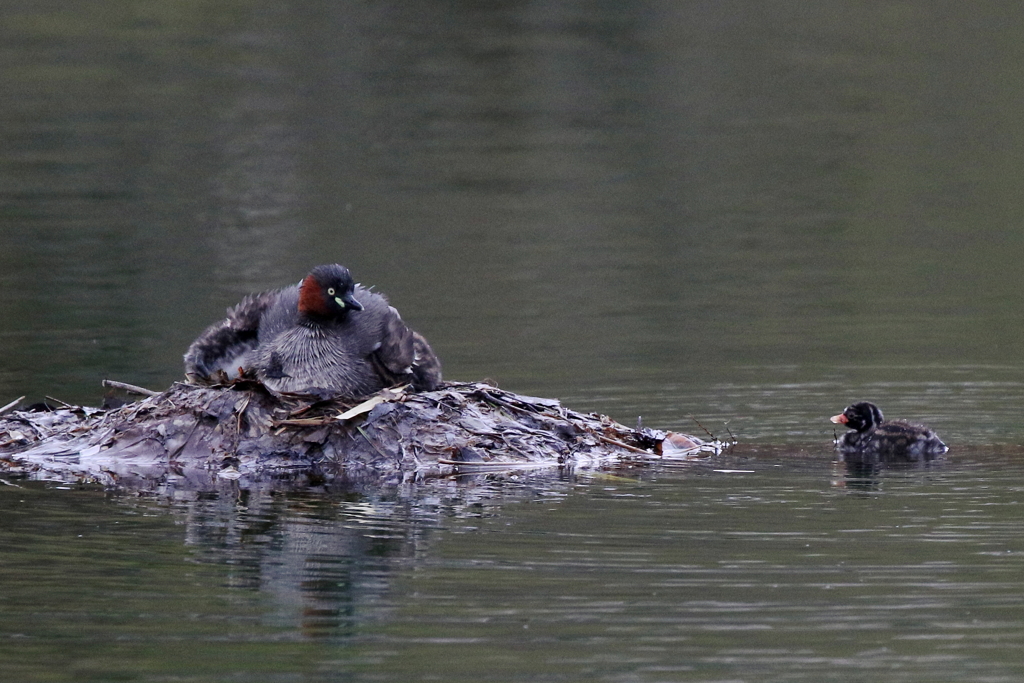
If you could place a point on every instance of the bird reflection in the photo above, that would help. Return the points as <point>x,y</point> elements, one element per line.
<point>324,560</point>
<point>865,471</point>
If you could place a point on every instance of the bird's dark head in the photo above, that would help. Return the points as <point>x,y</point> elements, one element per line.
<point>860,416</point>
<point>328,292</point>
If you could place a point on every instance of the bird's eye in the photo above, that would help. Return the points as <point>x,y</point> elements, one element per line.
<point>330,291</point>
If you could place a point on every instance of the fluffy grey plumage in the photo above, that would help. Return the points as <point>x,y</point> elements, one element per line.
<point>873,435</point>
<point>324,335</point>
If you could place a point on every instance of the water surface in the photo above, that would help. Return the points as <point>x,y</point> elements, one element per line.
<point>764,564</point>
<point>733,214</point>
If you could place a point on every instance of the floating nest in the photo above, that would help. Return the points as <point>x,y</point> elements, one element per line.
<point>198,437</point>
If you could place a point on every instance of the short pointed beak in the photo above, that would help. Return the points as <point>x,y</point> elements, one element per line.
<point>349,301</point>
<point>839,419</point>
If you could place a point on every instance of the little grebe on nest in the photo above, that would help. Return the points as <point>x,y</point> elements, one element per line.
<point>323,335</point>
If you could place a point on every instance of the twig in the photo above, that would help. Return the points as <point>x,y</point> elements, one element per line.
<point>539,415</point>
<point>131,388</point>
<point>370,441</point>
<point>12,405</point>
<point>512,447</point>
<point>241,413</point>
<point>703,427</point>
<point>471,467</point>
<point>505,404</point>
<point>622,445</point>
<point>179,449</point>
<point>304,422</point>
<point>57,400</point>
<point>302,410</point>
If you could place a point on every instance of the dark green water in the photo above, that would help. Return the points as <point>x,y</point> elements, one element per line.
<point>750,213</point>
<point>763,565</point>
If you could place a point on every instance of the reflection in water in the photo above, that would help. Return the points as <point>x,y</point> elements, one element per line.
<point>325,559</point>
<point>322,562</point>
<point>866,473</point>
<point>750,561</point>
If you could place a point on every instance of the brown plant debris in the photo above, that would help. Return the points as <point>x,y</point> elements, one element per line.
<point>199,436</point>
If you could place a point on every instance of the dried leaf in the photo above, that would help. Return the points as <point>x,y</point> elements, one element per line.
<point>364,407</point>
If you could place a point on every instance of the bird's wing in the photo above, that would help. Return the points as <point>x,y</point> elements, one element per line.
<point>228,339</point>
